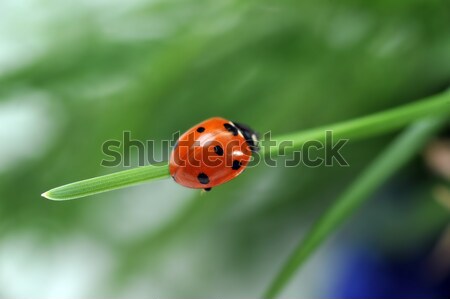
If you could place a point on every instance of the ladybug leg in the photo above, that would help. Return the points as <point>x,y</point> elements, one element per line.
<point>207,189</point>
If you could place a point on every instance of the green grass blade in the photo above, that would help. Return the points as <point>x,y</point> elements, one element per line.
<point>405,147</point>
<point>363,127</point>
<point>371,125</point>
<point>108,182</point>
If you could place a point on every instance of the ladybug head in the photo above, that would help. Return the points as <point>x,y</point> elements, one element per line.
<point>250,136</point>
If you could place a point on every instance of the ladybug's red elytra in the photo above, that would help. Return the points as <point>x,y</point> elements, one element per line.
<point>212,153</point>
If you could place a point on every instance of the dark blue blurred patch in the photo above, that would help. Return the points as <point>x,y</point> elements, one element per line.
<point>369,274</point>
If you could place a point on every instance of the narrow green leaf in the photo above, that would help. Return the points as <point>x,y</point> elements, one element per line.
<point>108,182</point>
<point>363,127</point>
<point>405,147</point>
<point>371,125</point>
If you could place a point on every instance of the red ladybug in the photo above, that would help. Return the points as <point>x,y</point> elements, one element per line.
<point>212,153</point>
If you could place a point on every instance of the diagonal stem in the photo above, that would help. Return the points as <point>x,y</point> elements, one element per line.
<point>404,148</point>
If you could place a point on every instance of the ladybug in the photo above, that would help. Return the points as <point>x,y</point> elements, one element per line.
<point>212,153</point>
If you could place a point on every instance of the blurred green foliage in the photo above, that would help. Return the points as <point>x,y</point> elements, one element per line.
<point>154,67</point>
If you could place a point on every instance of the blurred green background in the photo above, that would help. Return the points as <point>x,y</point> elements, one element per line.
<point>74,74</point>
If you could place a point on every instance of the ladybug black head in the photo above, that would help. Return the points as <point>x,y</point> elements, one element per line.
<point>250,136</point>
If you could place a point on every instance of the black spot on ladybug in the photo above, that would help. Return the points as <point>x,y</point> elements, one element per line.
<point>203,178</point>
<point>200,129</point>
<point>231,128</point>
<point>207,189</point>
<point>218,150</point>
<point>236,165</point>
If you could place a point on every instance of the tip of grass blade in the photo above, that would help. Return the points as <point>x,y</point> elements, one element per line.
<point>57,194</point>
<point>47,195</point>
<point>117,180</point>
